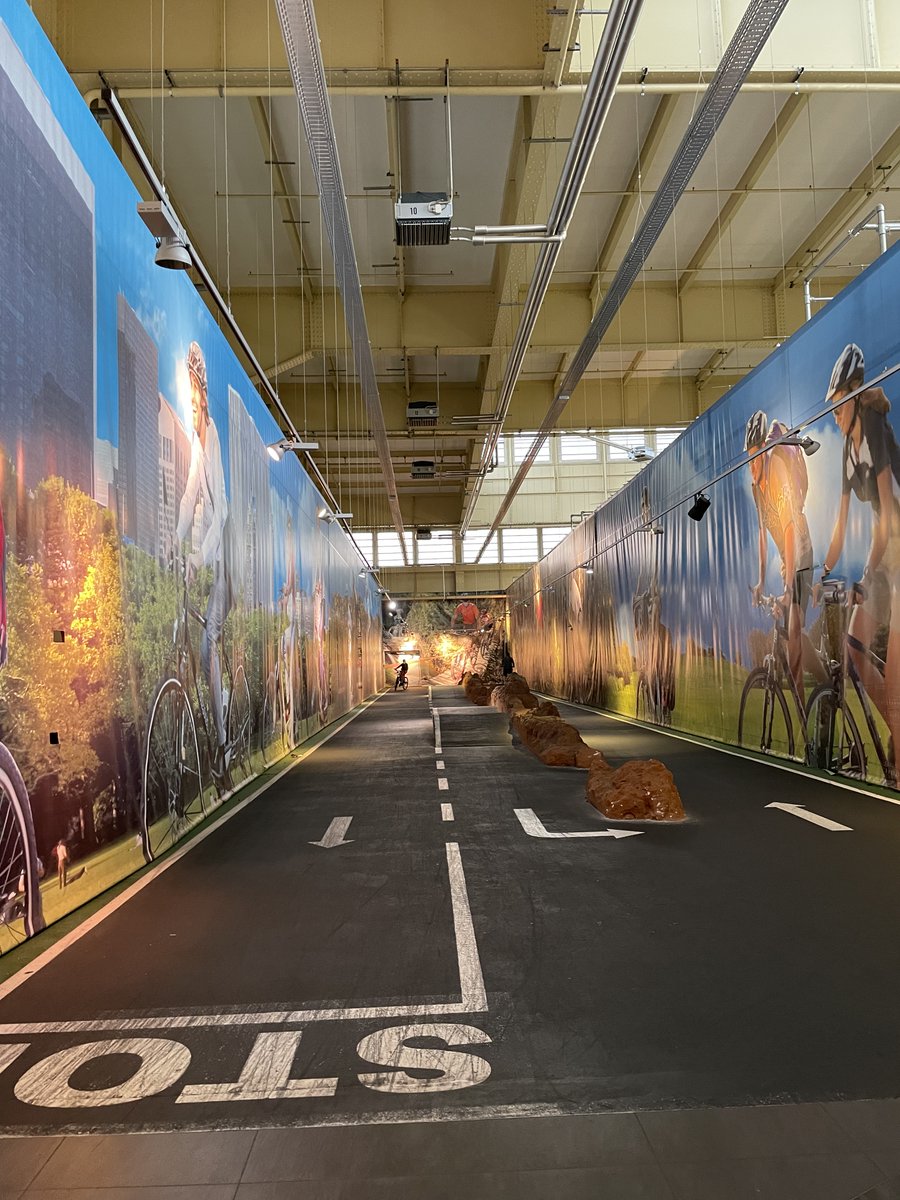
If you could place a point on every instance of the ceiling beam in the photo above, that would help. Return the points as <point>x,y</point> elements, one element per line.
<point>262,118</point>
<point>628,207</point>
<point>845,212</point>
<point>793,108</point>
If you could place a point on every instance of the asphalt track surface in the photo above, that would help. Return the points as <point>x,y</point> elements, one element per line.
<point>745,957</point>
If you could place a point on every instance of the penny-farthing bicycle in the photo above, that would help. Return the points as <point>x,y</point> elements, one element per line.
<point>178,785</point>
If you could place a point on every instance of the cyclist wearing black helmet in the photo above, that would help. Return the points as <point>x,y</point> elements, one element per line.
<point>779,485</point>
<point>870,471</point>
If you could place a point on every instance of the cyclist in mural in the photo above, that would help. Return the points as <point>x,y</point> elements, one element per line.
<point>319,629</point>
<point>466,613</point>
<point>870,471</point>
<point>779,483</point>
<point>205,491</point>
<point>288,602</point>
<point>655,652</point>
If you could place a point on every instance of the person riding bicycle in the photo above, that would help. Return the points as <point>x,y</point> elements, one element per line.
<point>205,490</point>
<point>779,484</point>
<point>401,673</point>
<point>870,470</point>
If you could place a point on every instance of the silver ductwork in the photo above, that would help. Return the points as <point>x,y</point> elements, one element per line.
<point>751,35</point>
<point>601,88</point>
<point>301,41</point>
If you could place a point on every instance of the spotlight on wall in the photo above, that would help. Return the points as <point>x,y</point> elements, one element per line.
<point>172,253</point>
<point>699,507</point>
<point>171,240</point>
<point>393,606</point>
<point>587,568</point>
<point>277,450</point>
<point>329,517</point>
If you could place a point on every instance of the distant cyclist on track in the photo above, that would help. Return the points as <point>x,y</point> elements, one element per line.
<point>779,484</point>
<point>871,472</point>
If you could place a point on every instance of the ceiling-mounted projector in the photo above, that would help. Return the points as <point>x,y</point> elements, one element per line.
<point>640,453</point>
<point>423,535</point>
<point>422,468</point>
<point>423,218</point>
<point>421,413</point>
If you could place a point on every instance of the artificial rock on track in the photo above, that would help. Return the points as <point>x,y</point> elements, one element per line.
<point>553,741</point>
<point>513,695</point>
<point>637,791</point>
<point>476,689</point>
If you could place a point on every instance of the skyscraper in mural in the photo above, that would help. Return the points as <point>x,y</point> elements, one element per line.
<point>47,299</point>
<point>139,452</point>
<point>174,464</point>
<point>251,506</point>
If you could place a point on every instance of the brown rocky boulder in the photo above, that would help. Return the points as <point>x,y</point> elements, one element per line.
<point>641,790</point>
<point>546,708</point>
<point>476,689</point>
<point>513,694</point>
<point>554,742</point>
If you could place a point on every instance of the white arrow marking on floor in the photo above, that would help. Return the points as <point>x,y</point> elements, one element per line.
<point>334,834</point>
<point>799,811</point>
<point>533,826</point>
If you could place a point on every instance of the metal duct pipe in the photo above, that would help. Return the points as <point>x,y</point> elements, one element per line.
<point>111,101</point>
<point>673,88</point>
<point>301,41</point>
<point>516,239</point>
<point>754,30</point>
<point>601,89</point>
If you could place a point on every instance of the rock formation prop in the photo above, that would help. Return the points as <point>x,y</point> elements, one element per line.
<point>641,790</point>
<point>476,690</point>
<point>513,694</point>
<point>553,741</point>
<point>546,708</point>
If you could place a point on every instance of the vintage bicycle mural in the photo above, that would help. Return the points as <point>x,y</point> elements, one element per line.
<point>158,570</point>
<point>773,620</point>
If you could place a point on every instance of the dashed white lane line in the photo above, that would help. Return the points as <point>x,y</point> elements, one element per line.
<point>447,812</point>
<point>443,785</point>
<point>439,764</point>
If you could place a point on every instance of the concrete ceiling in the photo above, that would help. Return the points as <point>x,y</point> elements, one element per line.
<point>792,167</point>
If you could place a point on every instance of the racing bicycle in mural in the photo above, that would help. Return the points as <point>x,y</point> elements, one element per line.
<point>20,867</point>
<point>834,743</point>
<point>181,745</point>
<point>830,731</point>
<point>764,716</point>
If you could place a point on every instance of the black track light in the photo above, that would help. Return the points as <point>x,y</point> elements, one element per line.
<point>698,509</point>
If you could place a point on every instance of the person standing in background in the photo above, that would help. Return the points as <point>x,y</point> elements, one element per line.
<point>62,863</point>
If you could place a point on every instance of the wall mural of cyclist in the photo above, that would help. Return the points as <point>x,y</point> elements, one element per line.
<point>173,614</point>
<point>774,621</point>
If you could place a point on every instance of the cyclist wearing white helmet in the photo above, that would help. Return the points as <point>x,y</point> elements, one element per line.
<point>778,482</point>
<point>870,471</point>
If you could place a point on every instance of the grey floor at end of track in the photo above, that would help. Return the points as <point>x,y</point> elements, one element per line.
<point>700,1011</point>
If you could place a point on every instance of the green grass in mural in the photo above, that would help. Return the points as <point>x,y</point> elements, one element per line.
<point>707,703</point>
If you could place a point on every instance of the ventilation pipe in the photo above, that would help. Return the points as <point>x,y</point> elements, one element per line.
<point>749,38</point>
<point>598,97</point>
